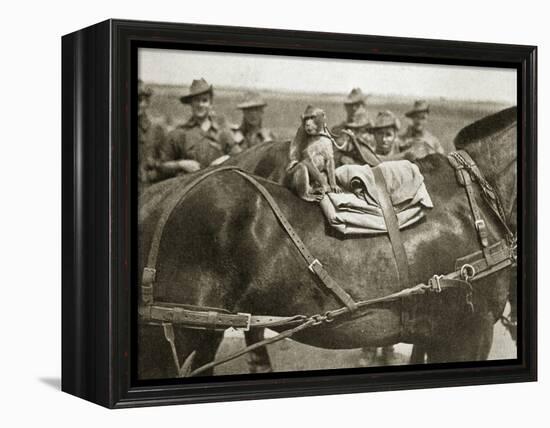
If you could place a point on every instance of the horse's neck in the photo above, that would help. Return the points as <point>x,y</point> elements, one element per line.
<point>496,158</point>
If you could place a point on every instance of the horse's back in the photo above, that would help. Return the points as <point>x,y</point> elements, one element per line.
<point>267,160</point>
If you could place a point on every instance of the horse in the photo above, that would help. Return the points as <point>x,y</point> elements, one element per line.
<point>270,161</point>
<point>223,248</point>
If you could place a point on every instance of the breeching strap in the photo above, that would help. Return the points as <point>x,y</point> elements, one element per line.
<point>150,269</point>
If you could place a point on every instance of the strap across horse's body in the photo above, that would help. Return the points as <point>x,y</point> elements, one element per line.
<point>150,270</point>
<point>491,259</point>
<point>392,225</point>
<point>314,265</point>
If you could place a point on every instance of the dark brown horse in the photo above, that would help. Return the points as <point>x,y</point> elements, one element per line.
<point>224,248</point>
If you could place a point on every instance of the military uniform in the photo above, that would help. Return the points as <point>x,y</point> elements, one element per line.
<point>246,135</point>
<point>203,143</point>
<point>392,154</point>
<point>386,119</point>
<point>244,138</point>
<point>413,136</point>
<point>349,153</point>
<point>359,125</point>
<point>150,139</point>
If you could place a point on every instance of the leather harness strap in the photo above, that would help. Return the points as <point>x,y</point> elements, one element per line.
<point>150,269</point>
<point>471,267</point>
<point>467,171</point>
<point>212,319</point>
<point>314,264</point>
<point>465,179</point>
<point>392,226</point>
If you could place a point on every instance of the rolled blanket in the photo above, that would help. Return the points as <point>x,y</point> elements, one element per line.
<point>352,214</point>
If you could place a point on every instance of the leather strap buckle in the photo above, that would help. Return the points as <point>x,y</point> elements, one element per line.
<point>147,294</point>
<point>248,320</point>
<point>313,263</point>
<point>149,275</point>
<point>481,228</point>
<point>435,283</point>
<point>480,225</point>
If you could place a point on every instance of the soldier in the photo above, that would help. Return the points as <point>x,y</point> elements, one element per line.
<point>150,138</point>
<point>251,132</point>
<point>357,122</point>
<point>417,134</point>
<point>200,141</point>
<point>354,104</point>
<point>355,143</point>
<point>385,129</point>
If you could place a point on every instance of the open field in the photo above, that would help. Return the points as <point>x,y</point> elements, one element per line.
<point>284,109</point>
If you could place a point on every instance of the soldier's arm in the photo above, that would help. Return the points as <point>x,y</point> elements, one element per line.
<point>170,164</point>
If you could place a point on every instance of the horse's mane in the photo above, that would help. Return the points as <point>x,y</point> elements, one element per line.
<point>486,127</point>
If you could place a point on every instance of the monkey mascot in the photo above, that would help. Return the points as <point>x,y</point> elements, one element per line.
<point>311,168</point>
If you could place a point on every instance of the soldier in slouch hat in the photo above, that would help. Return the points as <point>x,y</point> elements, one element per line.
<point>251,131</point>
<point>416,133</point>
<point>202,140</point>
<point>357,123</point>
<point>385,129</point>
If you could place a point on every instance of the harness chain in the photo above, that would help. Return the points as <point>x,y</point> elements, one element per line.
<point>500,257</point>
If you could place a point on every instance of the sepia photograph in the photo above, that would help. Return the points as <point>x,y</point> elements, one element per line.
<point>306,213</point>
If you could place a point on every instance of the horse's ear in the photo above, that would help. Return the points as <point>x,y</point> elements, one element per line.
<point>486,128</point>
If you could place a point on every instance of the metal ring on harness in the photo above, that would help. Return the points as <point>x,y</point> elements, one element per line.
<point>467,272</point>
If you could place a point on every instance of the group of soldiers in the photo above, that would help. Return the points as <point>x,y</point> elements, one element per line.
<point>206,139</point>
<point>382,135</point>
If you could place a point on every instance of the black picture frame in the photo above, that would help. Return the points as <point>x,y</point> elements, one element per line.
<point>99,201</point>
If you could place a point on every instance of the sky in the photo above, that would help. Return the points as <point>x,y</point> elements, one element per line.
<point>321,75</point>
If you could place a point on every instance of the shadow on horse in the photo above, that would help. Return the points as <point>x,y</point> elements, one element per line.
<point>223,248</point>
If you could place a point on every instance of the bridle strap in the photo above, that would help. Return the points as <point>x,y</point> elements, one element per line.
<point>463,162</point>
<point>467,171</point>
